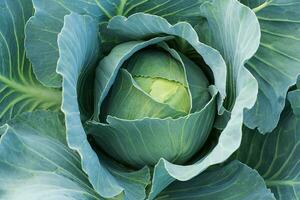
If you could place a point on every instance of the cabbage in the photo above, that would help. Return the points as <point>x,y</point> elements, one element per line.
<point>134,100</point>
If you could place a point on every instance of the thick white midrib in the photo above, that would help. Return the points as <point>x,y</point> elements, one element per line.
<point>40,93</point>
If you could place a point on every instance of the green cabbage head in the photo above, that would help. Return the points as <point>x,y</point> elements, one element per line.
<point>149,99</point>
<point>168,109</point>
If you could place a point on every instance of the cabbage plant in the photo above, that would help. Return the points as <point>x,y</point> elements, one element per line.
<point>134,99</point>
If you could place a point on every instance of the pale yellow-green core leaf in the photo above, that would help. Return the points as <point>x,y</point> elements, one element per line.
<point>165,91</point>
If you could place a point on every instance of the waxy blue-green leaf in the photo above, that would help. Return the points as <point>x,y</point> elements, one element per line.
<point>276,63</point>
<point>276,155</point>
<point>234,181</point>
<point>172,10</point>
<point>236,36</point>
<point>19,89</point>
<point>78,44</point>
<point>36,162</point>
<point>43,28</point>
<point>246,86</point>
<point>42,31</point>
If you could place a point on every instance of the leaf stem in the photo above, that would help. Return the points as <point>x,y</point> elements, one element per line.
<point>262,6</point>
<point>38,92</point>
<point>120,9</point>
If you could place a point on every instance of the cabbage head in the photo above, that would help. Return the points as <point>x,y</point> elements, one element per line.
<point>149,99</point>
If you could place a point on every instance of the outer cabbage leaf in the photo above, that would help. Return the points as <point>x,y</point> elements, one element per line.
<point>277,59</point>
<point>44,26</point>
<point>171,10</point>
<point>231,36</point>
<point>19,89</point>
<point>36,162</point>
<point>276,155</point>
<point>78,47</point>
<point>234,181</point>
<point>42,31</point>
<point>245,88</point>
